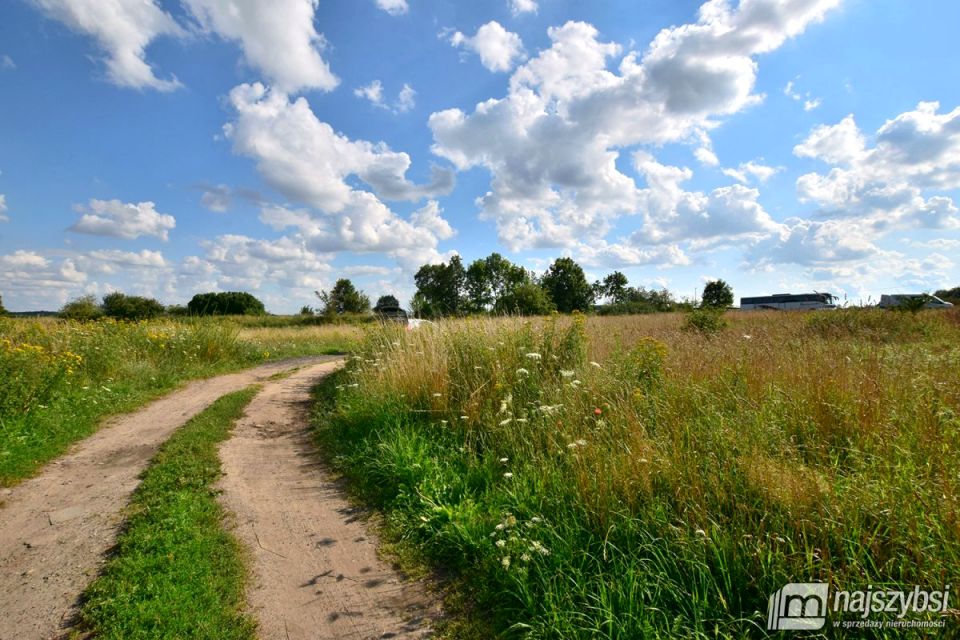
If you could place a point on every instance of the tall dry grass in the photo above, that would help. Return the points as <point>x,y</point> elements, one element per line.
<point>627,477</point>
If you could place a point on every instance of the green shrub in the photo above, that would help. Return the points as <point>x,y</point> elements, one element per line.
<point>230,303</point>
<point>123,307</point>
<point>706,320</point>
<point>82,309</point>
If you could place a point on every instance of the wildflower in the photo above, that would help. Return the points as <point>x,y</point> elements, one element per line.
<point>463,417</point>
<point>504,423</point>
<point>575,383</point>
<point>747,336</point>
<point>534,356</point>
<point>522,420</point>
<point>536,519</point>
<point>508,475</point>
<point>443,422</point>
<point>522,372</point>
<point>501,543</point>
<point>438,395</point>
<point>572,445</point>
<point>525,557</point>
<point>597,411</point>
<point>582,443</point>
<point>566,373</point>
<point>539,548</point>
<point>505,561</point>
<point>511,520</point>
<point>500,526</point>
<point>504,460</point>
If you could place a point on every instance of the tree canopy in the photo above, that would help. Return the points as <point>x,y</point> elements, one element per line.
<point>567,286</point>
<point>949,295</point>
<point>495,285</point>
<point>343,298</point>
<point>490,279</point>
<point>440,289</point>
<point>83,308</point>
<point>123,307</point>
<point>525,299</point>
<point>717,293</point>
<point>227,303</point>
<point>386,302</point>
<point>613,287</point>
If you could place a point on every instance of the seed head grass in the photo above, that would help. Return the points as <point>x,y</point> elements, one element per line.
<point>626,477</point>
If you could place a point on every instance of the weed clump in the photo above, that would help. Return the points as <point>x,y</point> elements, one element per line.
<point>705,320</point>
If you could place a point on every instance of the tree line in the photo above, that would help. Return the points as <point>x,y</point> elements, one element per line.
<point>490,285</point>
<point>121,306</point>
<point>496,286</point>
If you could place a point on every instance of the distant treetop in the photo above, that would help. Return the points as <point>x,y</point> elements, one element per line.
<point>229,303</point>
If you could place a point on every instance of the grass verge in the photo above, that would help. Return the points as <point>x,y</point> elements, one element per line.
<point>61,379</point>
<point>176,572</point>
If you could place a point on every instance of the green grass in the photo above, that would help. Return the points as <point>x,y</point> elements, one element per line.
<point>176,572</point>
<point>61,379</point>
<point>626,478</point>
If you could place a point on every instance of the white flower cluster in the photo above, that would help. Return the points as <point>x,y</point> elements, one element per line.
<point>509,538</point>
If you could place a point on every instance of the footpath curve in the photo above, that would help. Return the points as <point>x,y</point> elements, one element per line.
<point>56,528</point>
<point>316,572</point>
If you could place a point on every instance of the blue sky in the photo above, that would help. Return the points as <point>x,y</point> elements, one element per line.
<point>179,146</point>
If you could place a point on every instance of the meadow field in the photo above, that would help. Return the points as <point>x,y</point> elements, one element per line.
<point>61,378</point>
<point>639,477</point>
<point>654,476</point>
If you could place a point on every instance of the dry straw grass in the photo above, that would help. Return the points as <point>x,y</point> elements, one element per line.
<point>685,475</point>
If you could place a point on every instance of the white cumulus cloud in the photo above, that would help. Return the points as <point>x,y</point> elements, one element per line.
<point>889,183</point>
<point>278,38</point>
<point>745,171</point>
<point>552,143</point>
<point>518,7</point>
<point>498,48</point>
<point>308,162</point>
<point>122,29</point>
<point>122,220</point>
<point>394,7</point>
<point>372,92</point>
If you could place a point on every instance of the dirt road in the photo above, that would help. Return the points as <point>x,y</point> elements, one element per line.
<point>316,571</point>
<point>55,528</point>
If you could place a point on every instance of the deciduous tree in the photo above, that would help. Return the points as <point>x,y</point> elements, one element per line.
<point>567,286</point>
<point>717,293</point>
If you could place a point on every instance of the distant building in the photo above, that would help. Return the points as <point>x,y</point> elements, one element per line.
<point>789,302</point>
